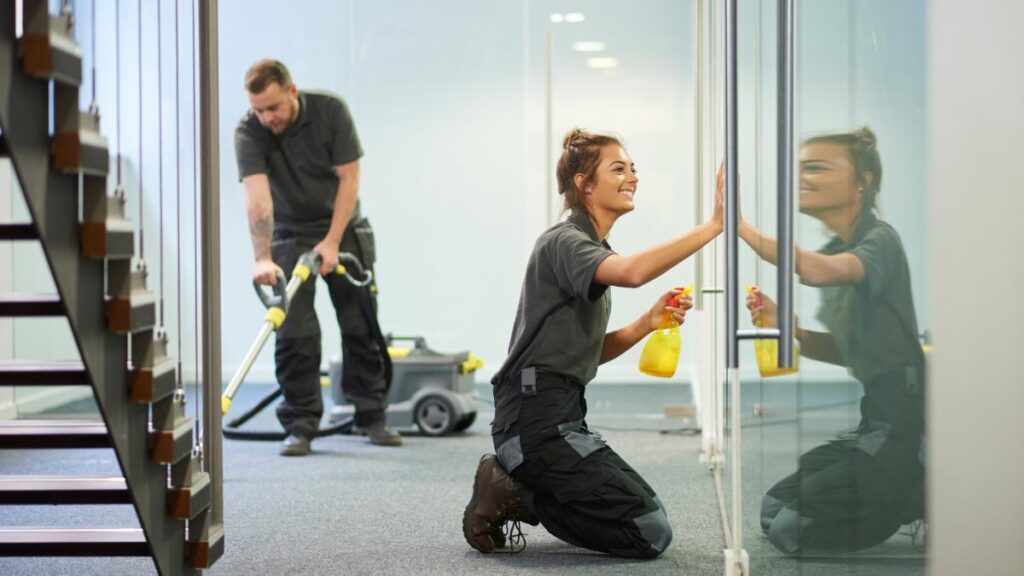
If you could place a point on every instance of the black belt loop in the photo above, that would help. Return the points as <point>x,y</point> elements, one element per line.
<point>528,381</point>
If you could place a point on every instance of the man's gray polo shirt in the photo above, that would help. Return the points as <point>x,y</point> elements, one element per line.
<point>300,162</point>
<point>563,314</point>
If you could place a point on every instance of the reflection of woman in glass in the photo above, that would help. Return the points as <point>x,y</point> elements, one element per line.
<point>857,490</point>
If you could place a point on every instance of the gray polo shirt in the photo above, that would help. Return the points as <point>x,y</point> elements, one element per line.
<point>300,162</point>
<point>873,323</point>
<point>563,314</point>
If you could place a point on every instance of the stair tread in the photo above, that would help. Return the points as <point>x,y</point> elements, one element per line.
<point>20,434</point>
<point>73,542</point>
<point>19,231</point>
<point>31,305</point>
<point>11,535</point>
<point>43,373</point>
<point>28,490</point>
<point>26,483</point>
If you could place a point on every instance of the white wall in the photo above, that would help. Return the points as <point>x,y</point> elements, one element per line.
<point>448,98</point>
<point>976,132</point>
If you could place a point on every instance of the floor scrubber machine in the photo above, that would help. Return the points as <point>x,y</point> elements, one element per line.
<point>432,391</point>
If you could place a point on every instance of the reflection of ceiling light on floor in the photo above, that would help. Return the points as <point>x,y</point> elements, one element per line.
<point>603,62</point>
<point>557,18</point>
<point>588,46</point>
<point>573,17</point>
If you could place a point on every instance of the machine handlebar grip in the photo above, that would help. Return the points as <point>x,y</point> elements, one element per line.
<point>277,296</point>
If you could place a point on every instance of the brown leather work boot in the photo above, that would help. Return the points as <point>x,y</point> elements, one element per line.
<point>495,501</point>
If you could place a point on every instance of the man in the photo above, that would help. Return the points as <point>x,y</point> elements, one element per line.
<point>298,160</point>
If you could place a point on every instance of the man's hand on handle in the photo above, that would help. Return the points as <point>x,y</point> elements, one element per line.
<point>265,272</point>
<point>328,251</point>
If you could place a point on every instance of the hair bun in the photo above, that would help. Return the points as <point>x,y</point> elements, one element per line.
<point>866,137</point>
<point>575,137</point>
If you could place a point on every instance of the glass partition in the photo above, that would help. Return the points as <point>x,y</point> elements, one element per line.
<point>832,476</point>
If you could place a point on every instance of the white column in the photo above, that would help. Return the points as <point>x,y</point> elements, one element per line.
<point>976,389</point>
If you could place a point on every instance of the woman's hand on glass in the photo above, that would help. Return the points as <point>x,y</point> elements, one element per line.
<point>718,215</point>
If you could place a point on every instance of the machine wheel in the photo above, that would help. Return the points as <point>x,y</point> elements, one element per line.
<point>435,416</point>
<point>466,422</point>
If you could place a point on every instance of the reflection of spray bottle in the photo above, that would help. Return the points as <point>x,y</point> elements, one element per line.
<point>661,352</point>
<point>767,351</point>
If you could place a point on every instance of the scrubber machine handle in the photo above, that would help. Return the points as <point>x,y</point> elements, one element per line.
<point>277,305</point>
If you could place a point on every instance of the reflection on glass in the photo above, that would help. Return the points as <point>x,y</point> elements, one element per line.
<point>855,491</point>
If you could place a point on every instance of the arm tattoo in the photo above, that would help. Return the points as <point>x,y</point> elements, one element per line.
<point>261,229</point>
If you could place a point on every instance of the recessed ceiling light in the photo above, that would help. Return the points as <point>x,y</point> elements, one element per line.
<point>574,17</point>
<point>602,62</point>
<point>557,18</point>
<point>588,46</point>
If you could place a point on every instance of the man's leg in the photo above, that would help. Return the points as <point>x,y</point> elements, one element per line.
<point>363,379</point>
<point>297,358</point>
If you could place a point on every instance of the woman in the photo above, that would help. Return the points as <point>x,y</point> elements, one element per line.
<point>550,468</point>
<point>857,490</point>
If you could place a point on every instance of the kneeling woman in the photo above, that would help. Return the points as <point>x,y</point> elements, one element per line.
<point>550,468</point>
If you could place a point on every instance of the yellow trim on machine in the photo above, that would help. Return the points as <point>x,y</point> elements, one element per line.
<point>472,363</point>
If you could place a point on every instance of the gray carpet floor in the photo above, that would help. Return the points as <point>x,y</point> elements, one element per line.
<point>351,508</point>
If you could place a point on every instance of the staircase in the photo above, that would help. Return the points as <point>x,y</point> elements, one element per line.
<point>103,295</point>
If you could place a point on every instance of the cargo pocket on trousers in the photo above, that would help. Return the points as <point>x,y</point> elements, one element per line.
<point>367,245</point>
<point>508,445</point>
<point>583,441</point>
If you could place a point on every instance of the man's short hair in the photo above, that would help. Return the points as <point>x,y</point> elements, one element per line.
<point>265,72</point>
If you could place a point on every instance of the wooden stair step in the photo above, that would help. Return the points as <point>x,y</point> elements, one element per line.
<point>171,446</point>
<point>48,49</point>
<point>10,231</point>
<point>23,305</point>
<point>149,385</point>
<point>37,373</point>
<point>56,542</point>
<point>186,503</point>
<point>34,490</point>
<point>53,434</point>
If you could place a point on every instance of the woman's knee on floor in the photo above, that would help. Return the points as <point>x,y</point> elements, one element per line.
<point>788,531</point>
<point>770,508</point>
<point>655,532</point>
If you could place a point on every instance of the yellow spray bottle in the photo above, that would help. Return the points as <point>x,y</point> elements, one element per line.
<point>660,355</point>
<point>767,352</point>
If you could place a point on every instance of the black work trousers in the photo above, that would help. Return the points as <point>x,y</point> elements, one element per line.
<point>856,491</point>
<point>298,347</point>
<point>842,499</point>
<point>576,486</point>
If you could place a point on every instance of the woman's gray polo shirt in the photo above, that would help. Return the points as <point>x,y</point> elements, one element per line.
<point>563,314</point>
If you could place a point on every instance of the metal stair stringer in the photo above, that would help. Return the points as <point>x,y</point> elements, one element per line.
<point>52,200</point>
